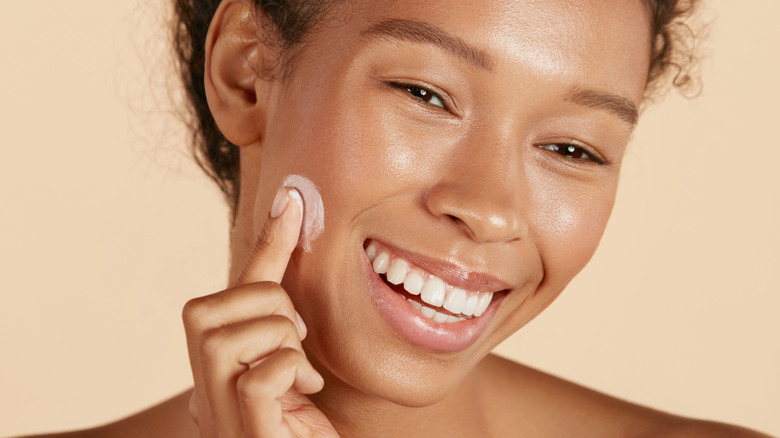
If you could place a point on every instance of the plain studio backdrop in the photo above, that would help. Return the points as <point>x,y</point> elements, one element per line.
<point>107,228</point>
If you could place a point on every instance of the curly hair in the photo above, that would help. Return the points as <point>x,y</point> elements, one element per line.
<point>672,65</point>
<point>673,60</point>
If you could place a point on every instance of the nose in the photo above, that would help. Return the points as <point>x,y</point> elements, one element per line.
<point>482,192</point>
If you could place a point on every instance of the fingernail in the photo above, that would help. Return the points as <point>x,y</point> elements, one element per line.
<point>280,203</point>
<point>301,326</point>
<point>296,196</point>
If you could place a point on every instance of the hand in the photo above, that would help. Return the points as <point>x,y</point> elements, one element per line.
<point>245,348</point>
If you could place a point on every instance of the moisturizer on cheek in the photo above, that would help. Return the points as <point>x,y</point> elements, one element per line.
<point>313,211</point>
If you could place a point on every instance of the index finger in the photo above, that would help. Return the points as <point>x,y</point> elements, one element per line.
<point>276,242</point>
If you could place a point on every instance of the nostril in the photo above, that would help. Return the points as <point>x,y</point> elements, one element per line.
<point>460,223</point>
<point>456,220</point>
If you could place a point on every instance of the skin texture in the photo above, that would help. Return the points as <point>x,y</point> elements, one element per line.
<point>473,184</point>
<point>469,186</point>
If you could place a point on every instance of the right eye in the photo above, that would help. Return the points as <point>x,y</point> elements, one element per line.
<point>572,152</point>
<point>423,94</point>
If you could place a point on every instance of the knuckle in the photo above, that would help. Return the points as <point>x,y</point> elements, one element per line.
<point>265,241</point>
<point>285,329</point>
<point>195,311</point>
<point>212,342</point>
<point>279,301</point>
<point>289,356</point>
<point>276,299</point>
<point>280,322</point>
<point>263,249</point>
<point>285,306</point>
<point>251,386</point>
<point>271,288</point>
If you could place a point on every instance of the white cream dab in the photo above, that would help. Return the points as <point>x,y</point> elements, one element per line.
<point>313,212</point>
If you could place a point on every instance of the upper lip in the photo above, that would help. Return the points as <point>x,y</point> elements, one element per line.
<point>454,274</point>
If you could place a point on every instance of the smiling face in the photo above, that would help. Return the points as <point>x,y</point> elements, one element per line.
<point>474,145</point>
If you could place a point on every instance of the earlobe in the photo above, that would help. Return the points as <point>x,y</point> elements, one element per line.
<point>234,91</point>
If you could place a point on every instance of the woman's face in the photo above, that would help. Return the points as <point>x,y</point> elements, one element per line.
<point>477,142</point>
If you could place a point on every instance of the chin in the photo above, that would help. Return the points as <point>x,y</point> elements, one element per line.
<point>393,321</point>
<point>401,379</point>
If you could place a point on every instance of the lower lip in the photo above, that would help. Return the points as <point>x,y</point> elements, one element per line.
<point>420,330</point>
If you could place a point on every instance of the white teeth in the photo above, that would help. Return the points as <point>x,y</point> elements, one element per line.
<point>427,311</point>
<point>380,263</point>
<point>471,305</point>
<point>484,300</point>
<point>413,283</point>
<point>433,314</point>
<point>371,252</point>
<point>440,317</point>
<point>433,292</point>
<point>415,304</point>
<point>456,300</point>
<point>397,271</point>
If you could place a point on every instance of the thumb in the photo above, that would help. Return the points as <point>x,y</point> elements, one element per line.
<point>277,240</point>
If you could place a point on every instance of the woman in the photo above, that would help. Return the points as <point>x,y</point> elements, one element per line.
<point>467,159</point>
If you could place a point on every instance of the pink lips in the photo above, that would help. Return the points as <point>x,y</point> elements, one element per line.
<point>419,330</point>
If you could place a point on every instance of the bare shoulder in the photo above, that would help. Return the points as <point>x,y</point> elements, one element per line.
<point>545,405</point>
<point>689,428</point>
<point>169,419</point>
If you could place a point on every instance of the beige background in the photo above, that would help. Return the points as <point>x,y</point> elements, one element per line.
<point>106,229</point>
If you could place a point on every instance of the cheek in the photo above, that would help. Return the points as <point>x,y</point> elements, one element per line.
<point>359,156</point>
<point>568,222</point>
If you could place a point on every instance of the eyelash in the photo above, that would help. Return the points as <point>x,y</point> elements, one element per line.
<point>572,152</point>
<point>567,150</point>
<point>422,94</point>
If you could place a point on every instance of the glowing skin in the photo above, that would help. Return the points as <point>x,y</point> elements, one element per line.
<point>467,149</point>
<point>468,186</point>
<point>313,213</point>
<point>463,185</point>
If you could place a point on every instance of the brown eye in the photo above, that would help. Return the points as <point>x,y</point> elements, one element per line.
<point>423,94</point>
<point>571,151</point>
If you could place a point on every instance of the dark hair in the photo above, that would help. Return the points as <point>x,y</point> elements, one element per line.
<point>674,56</point>
<point>671,65</point>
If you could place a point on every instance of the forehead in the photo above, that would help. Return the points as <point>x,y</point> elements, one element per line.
<point>604,44</point>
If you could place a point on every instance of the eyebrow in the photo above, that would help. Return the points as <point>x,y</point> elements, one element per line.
<point>612,103</point>
<point>421,32</point>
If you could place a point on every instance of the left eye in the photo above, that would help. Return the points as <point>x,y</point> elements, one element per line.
<point>423,94</point>
<point>571,151</point>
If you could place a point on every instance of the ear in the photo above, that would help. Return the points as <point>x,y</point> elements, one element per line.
<point>235,92</point>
